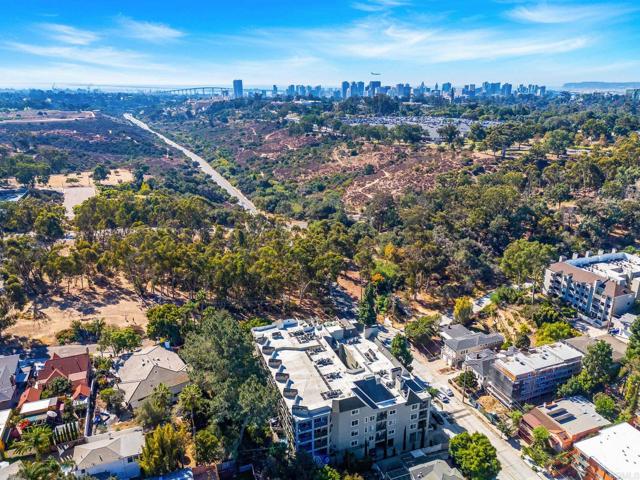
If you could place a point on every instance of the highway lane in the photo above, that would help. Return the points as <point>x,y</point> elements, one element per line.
<point>243,201</point>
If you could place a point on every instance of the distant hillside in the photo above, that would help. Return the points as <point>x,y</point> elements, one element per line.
<point>608,86</point>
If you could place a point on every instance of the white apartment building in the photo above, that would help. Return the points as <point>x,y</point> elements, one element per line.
<point>600,287</point>
<point>342,391</point>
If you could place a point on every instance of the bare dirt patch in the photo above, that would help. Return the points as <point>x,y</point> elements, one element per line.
<point>116,303</point>
<point>43,116</point>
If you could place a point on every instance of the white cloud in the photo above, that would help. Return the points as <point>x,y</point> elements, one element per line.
<point>68,34</point>
<point>378,5</point>
<point>555,14</point>
<point>389,40</point>
<point>148,31</point>
<point>104,56</point>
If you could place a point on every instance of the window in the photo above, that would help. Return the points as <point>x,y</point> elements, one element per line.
<point>391,433</point>
<point>354,443</point>
<point>414,406</point>
<point>372,418</point>
<point>413,426</point>
<point>129,459</point>
<point>354,433</point>
<point>354,423</point>
<point>355,412</point>
<point>414,416</point>
<point>392,412</point>
<point>391,422</point>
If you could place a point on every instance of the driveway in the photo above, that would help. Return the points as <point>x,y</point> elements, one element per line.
<point>466,418</point>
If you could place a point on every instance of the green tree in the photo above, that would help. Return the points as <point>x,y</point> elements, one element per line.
<point>366,309</point>
<point>552,332</point>
<point>400,350</point>
<point>633,348</point>
<point>421,330</point>
<point>189,401</point>
<point>606,406</point>
<point>36,439</point>
<point>463,310</point>
<point>522,340</point>
<point>57,387</point>
<point>156,409</point>
<point>113,398</point>
<point>120,340</point>
<point>163,451</point>
<point>101,172</point>
<point>525,260</point>
<point>475,456</point>
<point>49,226</point>
<point>467,380</point>
<point>47,469</point>
<point>450,134</point>
<point>598,363</point>
<point>209,448</point>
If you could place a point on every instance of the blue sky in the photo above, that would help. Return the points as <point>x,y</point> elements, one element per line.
<point>140,42</point>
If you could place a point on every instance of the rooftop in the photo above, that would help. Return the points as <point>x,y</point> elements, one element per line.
<point>538,359</point>
<point>140,363</point>
<point>313,365</point>
<point>574,415</point>
<point>583,342</point>
<point>108,447</point>
<point>616,449</point>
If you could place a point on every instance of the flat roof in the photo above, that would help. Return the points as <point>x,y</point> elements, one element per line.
<point>538,359</point>
<point>575,415</point>
<point>616,449</point>
<point>583,342</point>
<point>313,365</point>
<point>38,406</point>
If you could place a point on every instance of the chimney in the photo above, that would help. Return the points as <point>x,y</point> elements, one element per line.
<point>575,255</point>
<point>614,250</point>
<point>587,254</point>
<point>600,252</point>
<point>562,258</point>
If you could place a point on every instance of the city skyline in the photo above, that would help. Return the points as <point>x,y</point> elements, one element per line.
<point>146,43</point>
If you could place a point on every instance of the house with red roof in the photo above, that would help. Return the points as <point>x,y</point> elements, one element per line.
<point>75,368</point>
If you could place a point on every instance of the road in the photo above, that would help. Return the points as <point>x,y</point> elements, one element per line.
<point>467,418</point>
<point>243,201</point>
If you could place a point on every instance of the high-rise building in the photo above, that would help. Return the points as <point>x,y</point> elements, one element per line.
<point>345,88</point>
<point>446,87</point>
<point>274,91</point>
<point>238,90</point>
<point>361,89</point>
<point>374,85</point>
<point>505,91</point>
<point>291,90</point>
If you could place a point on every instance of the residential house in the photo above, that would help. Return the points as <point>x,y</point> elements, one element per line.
<point>613,454</point>
<point>75,368</point>
<point>516,378</point>
<point>11,376</point>
<point>583,342</point>
<point>599,287</point>
<point>416,466</point>
<point>112,454</point>
<point>147,368</point>
<point>479,363</point>
<point>40,410</point>
<point>342,394</point>
<point>567,420</point>
<point>458,341</point>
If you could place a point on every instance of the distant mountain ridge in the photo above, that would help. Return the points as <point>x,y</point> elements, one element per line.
<point>601,85</point>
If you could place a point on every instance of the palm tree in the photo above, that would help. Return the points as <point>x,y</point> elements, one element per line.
<point>46,470</point>
<point>36,439</point>
<point>188,401</point>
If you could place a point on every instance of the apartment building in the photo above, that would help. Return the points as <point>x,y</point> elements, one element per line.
<point>342,391</point>
<point>613,454</point>
<point>527,377</point>
<point>568,420</point>
<point>600,287</point>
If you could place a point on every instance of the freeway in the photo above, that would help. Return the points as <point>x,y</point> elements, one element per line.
<point>243,201</point>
